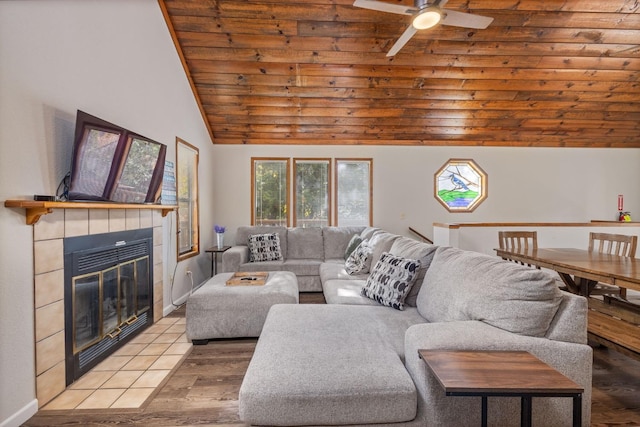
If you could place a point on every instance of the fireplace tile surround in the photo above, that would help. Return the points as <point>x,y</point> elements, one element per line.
<point>48,235</point>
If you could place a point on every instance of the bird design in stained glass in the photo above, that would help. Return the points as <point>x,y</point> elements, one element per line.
<point>460,185</point>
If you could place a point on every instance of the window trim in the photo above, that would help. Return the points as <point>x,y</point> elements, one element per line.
<point>326,160</point>
<point>195,224</point>
<point>287,161</point>
<point>353,159</point>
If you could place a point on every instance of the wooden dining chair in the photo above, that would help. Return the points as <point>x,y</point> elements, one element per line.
<point>614,244</point>
<point>517,241</point>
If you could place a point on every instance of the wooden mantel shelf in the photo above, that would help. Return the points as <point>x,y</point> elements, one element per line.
<point>34,209</point>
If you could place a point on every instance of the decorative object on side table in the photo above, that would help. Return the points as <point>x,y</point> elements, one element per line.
<point>219,229</point>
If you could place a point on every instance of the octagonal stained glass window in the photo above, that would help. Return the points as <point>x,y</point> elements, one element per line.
<point>460,185</point>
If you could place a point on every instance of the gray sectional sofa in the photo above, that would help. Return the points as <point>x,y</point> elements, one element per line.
<point>303,251</point>
<point>354,362</point>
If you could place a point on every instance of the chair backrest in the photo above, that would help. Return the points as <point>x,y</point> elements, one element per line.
<point>616,244</point>
<point>518,240</point>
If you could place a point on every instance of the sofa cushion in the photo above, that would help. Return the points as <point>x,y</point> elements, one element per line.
<point>340,291</point>
<point>335,269</point>
<point>360,259</point>
<point>381,241</point>
<point>264,247</point>
<point>336,240</point>
<point>353,244</point>
<point>368,232</point>
<point>364,382</point>
<point>411,248</point>
<point>303,267</point>
<point>262,266</point>
<point>243,233</point>
<point>465,285</point>
<point>390,280</point>
<point>305,243</point>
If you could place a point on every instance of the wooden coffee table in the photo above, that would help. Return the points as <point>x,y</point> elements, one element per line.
<point>501,373</point>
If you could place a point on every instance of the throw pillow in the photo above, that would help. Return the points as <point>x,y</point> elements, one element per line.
<point>391,280</point>
<point>352,245</point>
<point>264,247</point>
<point>357,261</point>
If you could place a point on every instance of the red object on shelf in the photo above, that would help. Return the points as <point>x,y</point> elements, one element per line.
<point>620,202</point>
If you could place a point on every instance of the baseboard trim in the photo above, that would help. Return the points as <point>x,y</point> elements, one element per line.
<point>23,415</point>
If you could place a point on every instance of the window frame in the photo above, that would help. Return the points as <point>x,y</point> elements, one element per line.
<point>287,161</point>
<point>328,189</point>
<point>193,201</point>
<point>337,186</point>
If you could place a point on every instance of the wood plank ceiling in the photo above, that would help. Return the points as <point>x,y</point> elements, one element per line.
<point>545,73</point>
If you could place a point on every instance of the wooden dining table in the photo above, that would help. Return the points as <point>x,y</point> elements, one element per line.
<point>580,269</point>
<point>614,323</point>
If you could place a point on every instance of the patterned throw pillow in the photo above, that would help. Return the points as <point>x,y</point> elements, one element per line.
<point>357,261</point>
<point>264,247</point>
<point>352,245</point>
<point>391,280</point>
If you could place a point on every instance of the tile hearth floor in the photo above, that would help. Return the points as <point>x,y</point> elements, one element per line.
<point>127,378</point>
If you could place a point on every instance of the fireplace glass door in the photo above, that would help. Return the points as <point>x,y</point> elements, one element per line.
<point>127,291</point>
<point>86,298</point>
<point>106,300</point>
<point>143,285</point>
<point>110,300</point>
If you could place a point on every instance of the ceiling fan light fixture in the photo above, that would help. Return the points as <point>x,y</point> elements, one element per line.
<point>427,18</point>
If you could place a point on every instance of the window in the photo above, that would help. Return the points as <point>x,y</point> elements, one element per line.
<point>354,192</point>
<point>188,228</point>
<point>270,191</point>
<point>460,185</point>
<point>311,195</point>
<point>312,192</point>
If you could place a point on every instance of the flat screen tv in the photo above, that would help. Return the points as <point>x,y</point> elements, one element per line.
<point>111,163</point>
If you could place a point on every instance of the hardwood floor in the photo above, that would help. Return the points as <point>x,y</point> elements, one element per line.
<point>203,391</point>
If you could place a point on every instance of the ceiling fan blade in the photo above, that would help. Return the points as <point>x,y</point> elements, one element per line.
<point>385,7</point>
<point>465,20</point>
<point>404,38</point>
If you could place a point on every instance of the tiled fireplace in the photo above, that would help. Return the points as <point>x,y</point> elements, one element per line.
<point>49,234</point>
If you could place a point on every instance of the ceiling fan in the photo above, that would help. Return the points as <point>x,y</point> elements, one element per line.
<point>425,15</point>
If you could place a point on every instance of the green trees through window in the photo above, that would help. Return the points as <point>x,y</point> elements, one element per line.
<point>312,184</point>
<point>270,192</point>
<point>312,192</point>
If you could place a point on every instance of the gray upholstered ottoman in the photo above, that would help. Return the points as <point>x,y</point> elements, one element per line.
<point>219,311</point>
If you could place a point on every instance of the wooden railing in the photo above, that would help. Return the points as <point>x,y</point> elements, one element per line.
<point>422,236</point>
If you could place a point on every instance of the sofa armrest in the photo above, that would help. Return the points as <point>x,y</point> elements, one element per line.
<point>571,359</point>
<point>234,257</point>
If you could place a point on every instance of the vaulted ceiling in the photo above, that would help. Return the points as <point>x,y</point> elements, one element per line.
<point>544,73</point>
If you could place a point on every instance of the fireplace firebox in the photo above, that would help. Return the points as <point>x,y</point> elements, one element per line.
<point>108,295</point>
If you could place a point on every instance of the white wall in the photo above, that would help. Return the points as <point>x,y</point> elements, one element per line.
<point>115,59</point>
<point>525,184</point>
<point>112,59</point>
<point>484,239</point>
